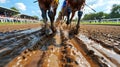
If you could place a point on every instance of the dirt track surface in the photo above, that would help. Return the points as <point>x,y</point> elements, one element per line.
<point>32,48</point>
<point>107,35</point>
<point>12,27</point>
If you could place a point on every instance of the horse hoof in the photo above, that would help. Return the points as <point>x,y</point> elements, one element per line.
<point>48,32</point>
<point>76,32</point>
<point>67,22</point>
<point>54,30</point>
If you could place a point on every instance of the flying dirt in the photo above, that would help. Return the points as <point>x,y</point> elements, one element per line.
<point>90,48</point>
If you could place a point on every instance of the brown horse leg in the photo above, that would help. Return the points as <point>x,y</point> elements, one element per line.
<point>78,23</point>
<point>51,16</point>
<point>54,29</point>
<point>54,11</point>
<point>68,15</point>
<point>44,16</point>
<point>73,13</point>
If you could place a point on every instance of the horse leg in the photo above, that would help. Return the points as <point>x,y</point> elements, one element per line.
<point>73,13</point>
<point>51,16</point>
<point>78,23</point>
<point>68,15</point>
<point>44,16</point>
<point>54,11</point>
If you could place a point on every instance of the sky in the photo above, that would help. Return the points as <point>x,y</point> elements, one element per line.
<point>29,8</point>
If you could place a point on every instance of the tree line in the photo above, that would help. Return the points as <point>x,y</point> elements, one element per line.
<point>115,13</point>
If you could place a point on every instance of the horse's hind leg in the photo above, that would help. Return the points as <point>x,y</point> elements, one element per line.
<point>78,23</point>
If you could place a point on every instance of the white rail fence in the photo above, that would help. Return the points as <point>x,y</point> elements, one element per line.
<point>13,20</point>
<point>117,20</point>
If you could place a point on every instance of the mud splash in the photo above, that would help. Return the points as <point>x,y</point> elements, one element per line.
<point>32,48</point>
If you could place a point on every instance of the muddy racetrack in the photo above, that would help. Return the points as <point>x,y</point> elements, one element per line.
<point>94,46</point>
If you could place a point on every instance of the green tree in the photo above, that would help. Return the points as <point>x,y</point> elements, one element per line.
<point>15,9</point>
<point>115,12</point>
<point>36,17</point>
<point>94,16</point>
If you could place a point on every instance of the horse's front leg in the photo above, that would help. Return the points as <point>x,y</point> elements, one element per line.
<point>51,16</point>
<point>73,13</point>
<point>44,16</point>
<point>68,15</point>
<point>78,23</point>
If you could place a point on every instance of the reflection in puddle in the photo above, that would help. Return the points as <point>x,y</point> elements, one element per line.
<point>99,49</point>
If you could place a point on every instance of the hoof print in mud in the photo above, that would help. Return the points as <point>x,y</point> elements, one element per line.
<point>69,59</point>
<point>76,63</point>
<point>72,32</point>
<point>116,49</point>
<point>64,51</point>
<point>23,57</point>
<point>68,65</point>
<point>90,52</point>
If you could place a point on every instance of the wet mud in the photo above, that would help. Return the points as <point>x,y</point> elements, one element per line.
<point>32,48</point>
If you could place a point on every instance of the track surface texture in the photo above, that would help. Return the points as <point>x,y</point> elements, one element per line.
<point>94,46</point>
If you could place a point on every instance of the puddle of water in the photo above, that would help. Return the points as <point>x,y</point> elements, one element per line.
<point>30,30</point>
<point>110,53</point>
<point>4,49</point>
<point>20,33</point>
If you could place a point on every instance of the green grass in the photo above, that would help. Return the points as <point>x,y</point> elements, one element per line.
<point>92,23</point>
<point>102,23</point>
<point>15,23</point>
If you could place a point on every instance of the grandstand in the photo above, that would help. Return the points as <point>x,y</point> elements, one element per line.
<point>9,15</point>
<point>23,16</point>
<point>7,12</point>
